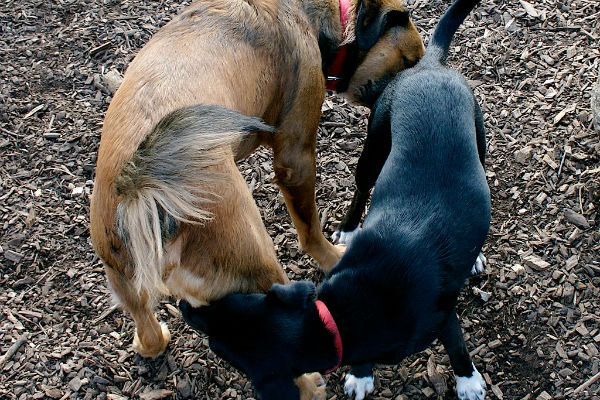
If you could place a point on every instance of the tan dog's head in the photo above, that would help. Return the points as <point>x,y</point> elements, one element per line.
<point>386,43</point>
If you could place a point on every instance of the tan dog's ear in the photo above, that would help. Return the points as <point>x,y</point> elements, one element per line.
<point>372,21</point>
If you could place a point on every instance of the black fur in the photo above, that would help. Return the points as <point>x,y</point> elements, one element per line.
<point>395,289</point>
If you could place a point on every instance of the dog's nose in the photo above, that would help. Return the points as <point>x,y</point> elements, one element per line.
<point>184,307</point>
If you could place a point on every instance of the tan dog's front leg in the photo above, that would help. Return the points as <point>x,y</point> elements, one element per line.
<point>295,172</point>
<point>312,386</point>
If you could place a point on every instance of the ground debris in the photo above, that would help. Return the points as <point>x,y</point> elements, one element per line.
<point>534,66</point>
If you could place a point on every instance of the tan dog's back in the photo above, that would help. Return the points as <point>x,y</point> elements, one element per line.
<point>215,53</point>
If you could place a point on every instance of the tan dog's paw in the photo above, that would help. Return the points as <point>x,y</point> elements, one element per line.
<point>312,387</point>
<point>320,393</point>
<point>327,259</point>
<point>153,348</point>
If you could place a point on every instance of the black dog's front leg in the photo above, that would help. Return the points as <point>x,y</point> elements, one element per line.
<point>376,150</point>
<point>470,385</point>
<point>359,382</point>
<point>277,389</point>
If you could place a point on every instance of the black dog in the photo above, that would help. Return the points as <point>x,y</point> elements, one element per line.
<point>395,289</point>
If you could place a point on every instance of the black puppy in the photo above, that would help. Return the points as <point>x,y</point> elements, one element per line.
<point>395,289</point>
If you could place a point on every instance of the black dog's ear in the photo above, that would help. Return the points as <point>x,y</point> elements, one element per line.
<point>195,317</point>
<point>297,294</point>
<point>397,18</point>
<point>372,22</point>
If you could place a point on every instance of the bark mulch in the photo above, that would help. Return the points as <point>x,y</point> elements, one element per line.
<point>531,320</point>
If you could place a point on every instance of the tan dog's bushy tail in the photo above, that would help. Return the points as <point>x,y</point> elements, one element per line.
<point>170,180</point>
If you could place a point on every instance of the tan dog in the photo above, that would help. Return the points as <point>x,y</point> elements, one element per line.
<point>170,212</point>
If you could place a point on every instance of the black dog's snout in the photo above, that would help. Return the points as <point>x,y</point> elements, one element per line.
<point>192,316</point>
<point>184,307</point>
<point>186,312</point>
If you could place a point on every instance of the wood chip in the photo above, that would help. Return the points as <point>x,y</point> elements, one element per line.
<point>13,256</point>
<point>541,198</point>
<point>544,396</point>
<point>595,105</point>
<point>174,311</point>
<point>496,390</point>
<point>112,79</point>
<point>75,384</point>
<point>577,219</point>
<point>587,384</point>
<point>564,112</point>
<point>485,296</point>
<point>436,379</point>
<point>572,262</point>
<point>99,49</point>
<point>112,396</point>
<point>156,394</point>
<point>529,9</point>
<point>23,282</point>
<point>535,263</point>
<point>12,350</point>
<point>551,163</point>
<point>33,111</point>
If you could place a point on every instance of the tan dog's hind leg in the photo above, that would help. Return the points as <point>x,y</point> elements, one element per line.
<point>151,337</point>
<point>312,386</point>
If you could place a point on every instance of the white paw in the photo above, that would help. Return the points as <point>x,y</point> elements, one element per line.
<point>471,388</point>
<point>340,237</point>
<point>360,387</point>
<point>479,265</point>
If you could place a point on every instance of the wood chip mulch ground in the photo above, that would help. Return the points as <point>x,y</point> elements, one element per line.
<point>532,320</point>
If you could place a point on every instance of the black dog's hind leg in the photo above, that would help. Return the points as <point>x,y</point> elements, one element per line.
<point>470,385</point>
<point>479,265</point>
<point>376,150</point>
<point>359,382</point>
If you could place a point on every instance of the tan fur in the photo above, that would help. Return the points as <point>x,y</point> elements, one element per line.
<point>226,53</point>
<point>312,387</point>
<point>387,57</point>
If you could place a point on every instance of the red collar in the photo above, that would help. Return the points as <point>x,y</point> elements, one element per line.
<point>344,7</point>
<point>334,75</point>
<point>331,326</point>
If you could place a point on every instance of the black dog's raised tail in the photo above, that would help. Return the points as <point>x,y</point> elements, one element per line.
<point>437,49</point>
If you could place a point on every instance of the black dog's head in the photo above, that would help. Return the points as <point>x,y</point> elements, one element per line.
<point>260,334</point>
